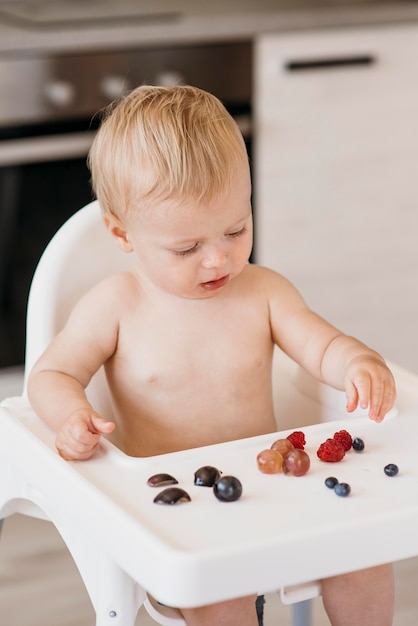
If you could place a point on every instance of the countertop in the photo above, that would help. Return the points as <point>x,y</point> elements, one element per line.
<point>29,28</point>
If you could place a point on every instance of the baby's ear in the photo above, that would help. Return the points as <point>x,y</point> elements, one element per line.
<point>118,231</point>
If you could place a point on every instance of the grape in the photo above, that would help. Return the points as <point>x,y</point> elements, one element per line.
<point>270,461</point>
<point>227,489</point>
<point>283,446</point>
<point>297,462</point>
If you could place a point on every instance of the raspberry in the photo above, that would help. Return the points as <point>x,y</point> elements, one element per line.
<point>331,451</point>
<point>297,439</point>
<point>344,438</point>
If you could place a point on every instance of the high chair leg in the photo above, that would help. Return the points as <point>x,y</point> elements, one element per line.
<point>302,613</point>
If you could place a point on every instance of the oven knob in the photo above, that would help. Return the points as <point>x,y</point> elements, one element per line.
<point>113,87</point>
<point>60,94</point>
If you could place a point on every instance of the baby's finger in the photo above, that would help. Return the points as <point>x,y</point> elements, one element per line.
<point>352,397</point>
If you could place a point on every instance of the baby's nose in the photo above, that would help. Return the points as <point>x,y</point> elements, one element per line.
<point>214,257</point>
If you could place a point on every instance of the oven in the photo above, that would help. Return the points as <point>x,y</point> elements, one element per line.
<point>48,116</point>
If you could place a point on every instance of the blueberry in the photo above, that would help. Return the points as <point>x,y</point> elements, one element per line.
<point>358,444</point>
<point>391,469</point>
<point>331,481</point>
<point>342,489</point>
<point>227,489</point>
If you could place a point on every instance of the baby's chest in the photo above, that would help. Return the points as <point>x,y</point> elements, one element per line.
<point>194,349</point>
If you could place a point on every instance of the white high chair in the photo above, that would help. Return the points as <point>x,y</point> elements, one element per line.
<point>78,256</point>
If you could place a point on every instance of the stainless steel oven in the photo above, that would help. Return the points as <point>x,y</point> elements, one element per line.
<point>48,106</point>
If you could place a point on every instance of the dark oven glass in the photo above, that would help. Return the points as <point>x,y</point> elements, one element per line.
<point>35,200</point>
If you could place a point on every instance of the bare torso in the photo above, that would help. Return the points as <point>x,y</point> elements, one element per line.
<point>188,373</point>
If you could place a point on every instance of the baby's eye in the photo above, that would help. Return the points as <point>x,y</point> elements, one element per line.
<point>187,251</point>
<point>237,233</point>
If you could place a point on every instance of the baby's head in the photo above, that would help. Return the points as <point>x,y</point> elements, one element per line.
<point>164,143</point>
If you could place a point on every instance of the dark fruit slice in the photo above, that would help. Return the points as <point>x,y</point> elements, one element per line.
<point>172,495</point>
<point>342,489</point>
<point>391,469</point>
<point>161,480</point>
<point>270,461</point>
<point>206,476</point>
<point>227,489</point>
<point>297,462</point>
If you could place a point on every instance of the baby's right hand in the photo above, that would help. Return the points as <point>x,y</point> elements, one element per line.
<point>79,436</point>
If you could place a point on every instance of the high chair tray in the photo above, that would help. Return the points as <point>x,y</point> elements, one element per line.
<point>284,530</point>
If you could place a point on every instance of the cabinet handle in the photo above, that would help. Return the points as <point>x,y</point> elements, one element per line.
<point>320,63</point>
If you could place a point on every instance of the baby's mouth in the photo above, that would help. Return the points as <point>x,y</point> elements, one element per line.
<point>212,285</point>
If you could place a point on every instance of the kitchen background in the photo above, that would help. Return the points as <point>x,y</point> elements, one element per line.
<point>326,94</point>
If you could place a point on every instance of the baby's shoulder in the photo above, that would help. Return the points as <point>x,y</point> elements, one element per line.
<point>112,290</point>
<point>264,276</point>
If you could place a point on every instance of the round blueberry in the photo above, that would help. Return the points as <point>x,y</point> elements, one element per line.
<point>358,444</point>
<point>342,489</point>
<point>391,469</point>
<point>331,481</point>
<point>227,489</point>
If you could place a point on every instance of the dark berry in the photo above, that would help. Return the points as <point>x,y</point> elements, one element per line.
<point>344,438</point>
<point>228,489</point>
<point>358,444</point>
<point>391,469</point>
<point>298,440</point>
<point>342,489</point>
<point>331,481</point>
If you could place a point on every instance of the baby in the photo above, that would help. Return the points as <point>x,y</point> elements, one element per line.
<point>186,336</point>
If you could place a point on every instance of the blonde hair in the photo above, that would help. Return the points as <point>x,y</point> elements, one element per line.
<point>161,143</point>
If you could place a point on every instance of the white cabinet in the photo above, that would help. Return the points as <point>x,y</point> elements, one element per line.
<point>336,177</point>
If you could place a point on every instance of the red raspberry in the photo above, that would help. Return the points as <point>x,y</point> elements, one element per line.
<point>331,451</point>
<point>297,439</point>
<point>344,438</point>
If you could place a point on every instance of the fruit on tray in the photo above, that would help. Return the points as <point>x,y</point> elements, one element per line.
<point>344,438</point>
<point>391,469</point>
<point>297,438</point>
<point>206,476</point>
<point>270,461</point>
<point>331,451</point>
<point>282,445</point>
<point>172,495</point>
<point>228,489</point>
<point>161,480</point>
<point>296,462</point>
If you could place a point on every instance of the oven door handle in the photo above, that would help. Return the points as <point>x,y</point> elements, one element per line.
<point>48,148</point>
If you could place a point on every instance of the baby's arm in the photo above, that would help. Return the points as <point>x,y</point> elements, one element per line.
<point>58,379</point>
<point>330,356</point>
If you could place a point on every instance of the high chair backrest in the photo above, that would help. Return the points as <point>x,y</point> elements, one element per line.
<point>79,255</point>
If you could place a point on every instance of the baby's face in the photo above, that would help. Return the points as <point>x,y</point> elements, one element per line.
<point>193,251</point>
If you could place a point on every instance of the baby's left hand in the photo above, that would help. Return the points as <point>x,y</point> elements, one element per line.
<point>369,383</point>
